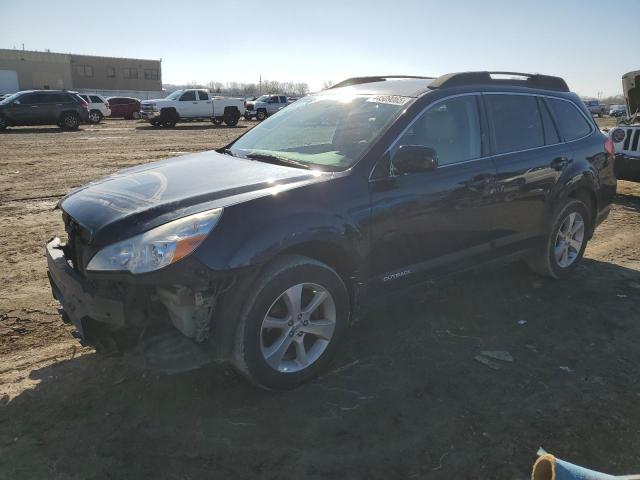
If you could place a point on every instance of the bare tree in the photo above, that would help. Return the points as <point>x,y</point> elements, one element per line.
<point>327,84</point>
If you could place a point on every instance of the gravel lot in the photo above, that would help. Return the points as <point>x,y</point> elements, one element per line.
<point>406,399</point>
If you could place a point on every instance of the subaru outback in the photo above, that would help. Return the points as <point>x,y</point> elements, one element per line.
<point>261,253</point>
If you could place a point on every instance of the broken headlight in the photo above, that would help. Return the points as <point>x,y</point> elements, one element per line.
<point>157,248</point>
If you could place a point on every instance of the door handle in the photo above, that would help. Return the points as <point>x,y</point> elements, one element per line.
<point>560,163</point>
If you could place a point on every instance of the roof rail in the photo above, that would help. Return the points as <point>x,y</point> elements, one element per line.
<point>531,80</point>
<point>375,78</point>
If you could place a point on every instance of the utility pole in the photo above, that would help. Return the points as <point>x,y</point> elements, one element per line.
<point>260,88</point>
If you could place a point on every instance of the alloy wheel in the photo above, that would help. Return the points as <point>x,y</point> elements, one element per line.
<point>569,240</point>
<point>70,121</point>
<point>298,327</point>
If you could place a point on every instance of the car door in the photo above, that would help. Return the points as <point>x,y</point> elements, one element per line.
<point>529,159</point>
<point>188,104</point>
<point>273,104</point>
<point>54,104</point>
<point>427,223</point>
<point>24,109</point>
<point>116,107</point>
<point>204,104</point>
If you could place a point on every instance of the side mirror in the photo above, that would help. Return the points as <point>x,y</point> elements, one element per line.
<point>414,159</point>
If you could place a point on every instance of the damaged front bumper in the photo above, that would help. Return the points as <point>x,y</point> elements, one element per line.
<point>132,315</point>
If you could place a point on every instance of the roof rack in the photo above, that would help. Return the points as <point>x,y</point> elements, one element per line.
<point>375,78</point>
<point>531,80</point>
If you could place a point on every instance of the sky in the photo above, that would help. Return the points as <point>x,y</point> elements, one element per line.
<point>310,41</point>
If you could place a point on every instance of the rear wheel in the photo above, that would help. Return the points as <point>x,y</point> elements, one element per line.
<point>69,121</point>
<point>95,116</point>
<point>292,324</point>
<point>231,118</point>
<point>565,243</point>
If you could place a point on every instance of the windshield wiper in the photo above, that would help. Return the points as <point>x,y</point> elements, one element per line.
<point>278,160</point>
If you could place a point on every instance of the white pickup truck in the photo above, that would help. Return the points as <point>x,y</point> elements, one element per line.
<point>191,104</point>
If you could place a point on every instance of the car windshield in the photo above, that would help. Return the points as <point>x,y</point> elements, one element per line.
<point>10,98</point>
<point>262,98</point>
<point>175,95</point>
<point>329,131</point>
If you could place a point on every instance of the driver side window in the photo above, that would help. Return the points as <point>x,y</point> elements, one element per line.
<point>451,128</point>
<point>188,96</point>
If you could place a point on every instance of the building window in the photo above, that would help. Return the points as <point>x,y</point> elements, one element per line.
<point>151,74</point>
<point>84,70</point>
<point>130,73</point>
<point>111,72</point>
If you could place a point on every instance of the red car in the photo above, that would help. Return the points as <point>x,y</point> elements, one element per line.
<point>124,107</point>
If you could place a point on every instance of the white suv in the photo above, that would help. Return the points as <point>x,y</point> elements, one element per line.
<point>98,107</point>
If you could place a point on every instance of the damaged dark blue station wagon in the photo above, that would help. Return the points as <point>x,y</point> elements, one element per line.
<point>261,253</point>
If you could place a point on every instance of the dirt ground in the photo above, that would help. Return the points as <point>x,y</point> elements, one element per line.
<point>405,399</point>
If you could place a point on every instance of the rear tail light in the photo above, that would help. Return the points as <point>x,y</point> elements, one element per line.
<point>85,105</point>
<point>245,104</point>
<point>609,147</point>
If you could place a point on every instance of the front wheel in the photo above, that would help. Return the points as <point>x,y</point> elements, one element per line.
<point>261,115</point>
<point>293,322</point>
<point>565,242</point>
<point>95,116</point>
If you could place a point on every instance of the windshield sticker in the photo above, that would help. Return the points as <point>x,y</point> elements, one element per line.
<point>390,99</point>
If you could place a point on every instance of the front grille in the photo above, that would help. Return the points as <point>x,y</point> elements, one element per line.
<point>77,249</point>
<point>631,140</point>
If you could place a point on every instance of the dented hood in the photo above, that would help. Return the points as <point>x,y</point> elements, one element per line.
<point>140,198</point>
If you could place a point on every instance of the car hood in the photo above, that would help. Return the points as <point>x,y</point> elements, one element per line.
<point>137,199</point>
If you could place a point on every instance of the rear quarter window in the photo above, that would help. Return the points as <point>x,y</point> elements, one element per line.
<point>95,99</point>
<point>571,122</point>
<point>516,122</point>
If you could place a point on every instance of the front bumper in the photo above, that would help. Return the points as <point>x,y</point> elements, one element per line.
<point>627,167</point>
<point>77,296</point>
<point>149,114</point>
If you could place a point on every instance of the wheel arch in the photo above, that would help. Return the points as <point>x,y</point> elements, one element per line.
<point>587,196</point>
<point>168,111</point>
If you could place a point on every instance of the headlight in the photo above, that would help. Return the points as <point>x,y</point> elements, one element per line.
<point>158,247</point>
<point>618,135</point>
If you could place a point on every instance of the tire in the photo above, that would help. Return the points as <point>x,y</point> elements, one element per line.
<point>545,261</point>
<point>247,116</point>
<point>231,119</point>
<point>216,121</point>
<point>69,121</point>
<point>169,123</point>
<point>261,115</point>
<point>135,115</point>
<point>256,354</point>
<point>3,123</point>
<point>95,116</point>
<point>154,123</point>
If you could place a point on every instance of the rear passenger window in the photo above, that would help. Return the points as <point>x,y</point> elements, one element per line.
<point>203,95</point>
<point>516,120</point>
<point>550,133</point>
<point>283,99</point>
<point>451,128</point>
<point>31,99</point>
<point>571,122</point>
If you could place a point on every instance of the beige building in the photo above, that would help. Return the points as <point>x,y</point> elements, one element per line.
<point>25,70</point>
